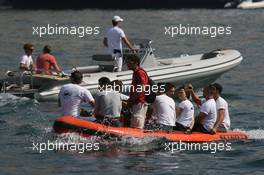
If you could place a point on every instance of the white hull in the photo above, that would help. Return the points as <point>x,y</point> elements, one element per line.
<point>187,69</point>
<point>199,70</point>
<point>251,5</point>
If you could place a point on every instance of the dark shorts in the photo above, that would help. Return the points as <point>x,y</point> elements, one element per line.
<point>198,127</point>
<point>157,126</point>
<point>180,127</point>
<point>164,127</point>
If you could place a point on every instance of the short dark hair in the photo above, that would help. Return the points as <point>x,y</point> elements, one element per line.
<point>133,58</point>
<point>218,87</point>
<point>168,86</point>
<point>28,46</point>
<point>76,77</point>
<point>104,81</point>
<point>117,85</point>
<point>210,88</point>
<point>47,49</point>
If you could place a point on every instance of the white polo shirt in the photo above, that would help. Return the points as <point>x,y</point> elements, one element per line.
<point>27,60</point>
<point>164,110</point>
<point>209,108</point>
<point>114,38</point>
<point>187,113</point>
<point>71,96</point>
<point>222,104</point>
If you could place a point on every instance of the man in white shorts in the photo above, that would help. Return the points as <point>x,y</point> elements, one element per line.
<point>184,113</point>
<point>26,62</point>
<point>205,120</point>
<point>113,41</point>
<point>72,95</point>
<point>223,119</point>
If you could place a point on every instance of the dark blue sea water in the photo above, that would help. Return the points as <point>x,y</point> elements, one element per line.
<point>25,121</point>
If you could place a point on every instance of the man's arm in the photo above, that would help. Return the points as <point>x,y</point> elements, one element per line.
<point>195,98</point>
<point>105,42</point>
<point>178,112</point>
<point>57,68</point>
<point>92,103</point>
<point>200,117</point>
<point>192,124</point>
<point>23,67</point>
<point>59,102</point>
<point>125,40</point>
<point>219,120</point>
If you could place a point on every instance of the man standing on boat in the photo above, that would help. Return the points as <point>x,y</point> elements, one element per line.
<point>72,95</point>
<point>137,102</point>
<point>113,41</point>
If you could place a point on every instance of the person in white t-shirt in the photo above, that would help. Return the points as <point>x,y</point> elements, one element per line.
<point>184,113</point>
<point>164,109</point>
<point>72,95</point>
<point>205,120</point>
<point>223,119</point>
<point>26,62</point>
<point>113,41</point>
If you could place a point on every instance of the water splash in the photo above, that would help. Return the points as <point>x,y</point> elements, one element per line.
<point>256,134</point>
<point>7,99</point>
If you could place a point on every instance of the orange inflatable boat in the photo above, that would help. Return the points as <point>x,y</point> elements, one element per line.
<point>66,124</point>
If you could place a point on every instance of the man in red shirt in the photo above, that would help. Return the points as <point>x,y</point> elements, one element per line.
<point>137,102</point>
<point>46,63</point>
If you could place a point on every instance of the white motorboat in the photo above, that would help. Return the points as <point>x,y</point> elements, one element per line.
<point>200,69</point>
<point>251,4</point>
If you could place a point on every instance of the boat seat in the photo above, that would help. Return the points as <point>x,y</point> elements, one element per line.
<point>89,69</point>
<point>165,62</point>
<point>102,57</point>
<point>107,68</point>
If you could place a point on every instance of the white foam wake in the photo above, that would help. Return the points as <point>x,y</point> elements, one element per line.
<point>7,99</point>
<point>256,134</point>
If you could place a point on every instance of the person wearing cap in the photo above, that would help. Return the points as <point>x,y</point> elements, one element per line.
<point>46,63</point>
<point>72,95</point>
<point>223,120</point>
<point>26,62</point>
<point>113,41</point>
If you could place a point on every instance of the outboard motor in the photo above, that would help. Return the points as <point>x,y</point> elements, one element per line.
<point>233,4</point>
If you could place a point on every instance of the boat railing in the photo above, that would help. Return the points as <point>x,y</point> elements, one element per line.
<point>15,80</point>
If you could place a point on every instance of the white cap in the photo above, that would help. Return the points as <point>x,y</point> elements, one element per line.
<point>117,19</point>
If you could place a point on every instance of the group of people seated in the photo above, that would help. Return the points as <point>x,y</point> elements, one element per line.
<point>45,63</point>
<point>213,112</point>
<point>113,108</point>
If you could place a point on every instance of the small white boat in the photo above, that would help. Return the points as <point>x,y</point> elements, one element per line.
<point>251,5</point>
<point>199,70</point>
